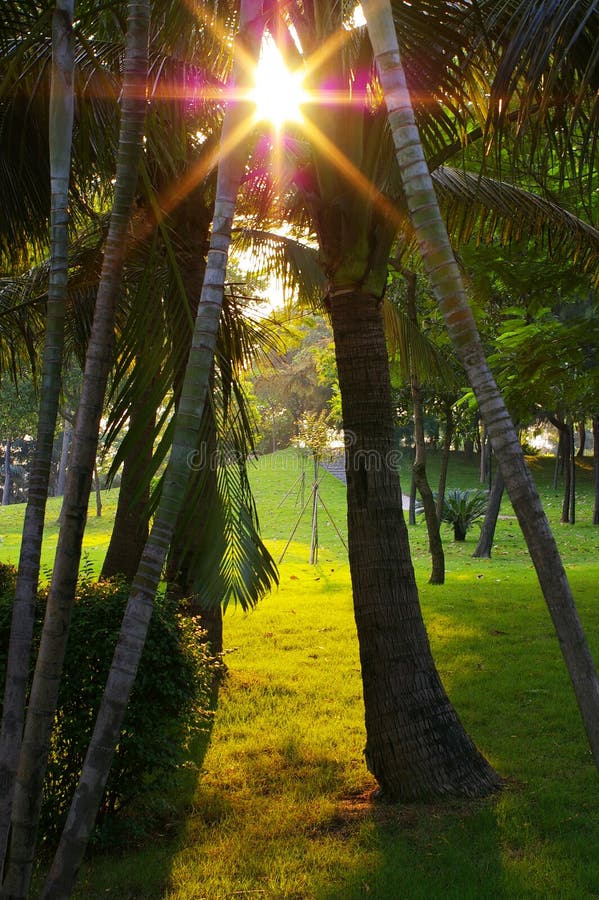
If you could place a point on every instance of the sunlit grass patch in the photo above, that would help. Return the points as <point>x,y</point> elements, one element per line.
<point>283,807</point>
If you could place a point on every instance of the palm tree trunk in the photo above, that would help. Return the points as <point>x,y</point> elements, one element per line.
<point>19,652</point>
<point>446,281</point>
<point>487,532</point>
<point>435,544</point>
<point>416,746</point>
<point>44,691</point>
<point>86,801</point>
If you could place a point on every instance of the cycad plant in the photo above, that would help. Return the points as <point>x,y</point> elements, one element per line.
<point>462,508</point>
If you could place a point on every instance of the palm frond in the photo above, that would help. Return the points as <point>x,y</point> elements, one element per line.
<point>547,67</point>
<point>292,263</point>
<point>485,209</point>
<point>413,352</point>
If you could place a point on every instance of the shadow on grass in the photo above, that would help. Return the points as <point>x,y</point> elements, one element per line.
<point>449,850</point>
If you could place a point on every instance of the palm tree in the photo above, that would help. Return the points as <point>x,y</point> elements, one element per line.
<point>416,745</point>
<point>188,420</point>
<point>33,760</point>
<point>60,136</point>
<point>446,280</point>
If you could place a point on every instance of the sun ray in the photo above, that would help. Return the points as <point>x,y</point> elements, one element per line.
<point>357,178</point>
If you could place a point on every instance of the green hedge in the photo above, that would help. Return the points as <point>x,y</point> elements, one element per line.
<point>169,704</point>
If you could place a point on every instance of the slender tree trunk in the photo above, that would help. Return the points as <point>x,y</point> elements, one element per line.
<point>561,452</point>
<point>413,496</point>
<point>596,469</point>
<point>445,453</point>
<point>416,746</point>
<point>7,473</point>
<point>97,492</point>
<point>484,456</point>
<point>566,450</point>
<point>447,284</point>
<point>64,457</point>
<point>582,438</point>
<point>572,465</point>
<point>487,532</point>
<point>133,633</point>
<point>44,691</point>
<point>193,219</point>
<point>19,652</point>
<point>130,530</point>
<point>419,467</point>
<point>314,532</point>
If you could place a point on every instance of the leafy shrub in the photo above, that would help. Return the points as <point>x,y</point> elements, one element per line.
<point>168,705</point>
<point>462,508</point>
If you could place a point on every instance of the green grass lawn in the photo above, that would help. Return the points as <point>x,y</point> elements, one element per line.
<point>281,807</point>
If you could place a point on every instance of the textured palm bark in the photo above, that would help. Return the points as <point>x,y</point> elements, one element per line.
<point>446,280</point>
<point>416,745</point>
<point>134,627</point>
<point>19,652</point>
<point>44,691</point>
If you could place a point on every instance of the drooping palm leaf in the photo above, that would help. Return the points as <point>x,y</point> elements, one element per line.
<point>485,208</point>
<point>413,352</point>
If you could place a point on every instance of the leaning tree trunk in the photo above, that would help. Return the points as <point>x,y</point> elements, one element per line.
<point>191,222</point>
<point>435,544</point>
<point>416,746</point>
<point>44,691</point>
<point>447,284</point>
<point>487,532</point>
<point>98,760</point>
<point>19,651</point>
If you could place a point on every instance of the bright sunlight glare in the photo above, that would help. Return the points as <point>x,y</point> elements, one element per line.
<point>277,93</point>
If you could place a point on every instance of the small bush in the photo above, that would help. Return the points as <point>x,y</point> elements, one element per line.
<point>168,705</point>
<point>462,508</point>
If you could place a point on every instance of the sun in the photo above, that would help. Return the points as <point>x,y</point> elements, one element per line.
<point>277,93</point>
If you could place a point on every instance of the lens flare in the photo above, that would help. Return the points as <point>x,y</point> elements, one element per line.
<point>278,93</point>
